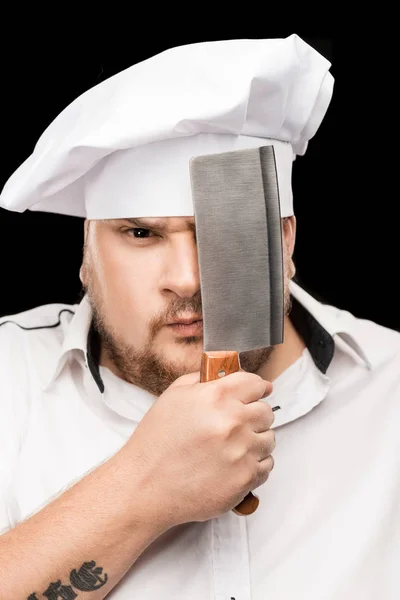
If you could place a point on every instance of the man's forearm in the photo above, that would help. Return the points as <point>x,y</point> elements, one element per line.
<point>81,544</point>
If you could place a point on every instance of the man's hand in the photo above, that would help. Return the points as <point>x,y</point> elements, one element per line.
<point>204,446</point>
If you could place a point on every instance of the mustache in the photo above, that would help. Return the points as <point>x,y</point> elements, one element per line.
<point>177,307</point>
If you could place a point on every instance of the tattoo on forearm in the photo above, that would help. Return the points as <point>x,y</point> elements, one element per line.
<point>87,579</point>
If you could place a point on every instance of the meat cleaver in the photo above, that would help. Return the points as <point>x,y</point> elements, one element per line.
<point>239,241</point>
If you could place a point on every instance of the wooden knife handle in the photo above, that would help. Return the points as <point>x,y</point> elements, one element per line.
<point>213,366</point>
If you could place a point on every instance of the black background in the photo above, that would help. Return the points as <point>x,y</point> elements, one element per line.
<point>346,249</point>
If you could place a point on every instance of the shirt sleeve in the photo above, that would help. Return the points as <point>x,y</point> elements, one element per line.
<point>6,449</point>
<point>12,392</point>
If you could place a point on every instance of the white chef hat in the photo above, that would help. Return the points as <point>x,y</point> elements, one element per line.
<point>122,149</point>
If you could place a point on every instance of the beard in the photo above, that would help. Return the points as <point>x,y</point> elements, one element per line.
<point>146,368</point>
<point>151,370</point>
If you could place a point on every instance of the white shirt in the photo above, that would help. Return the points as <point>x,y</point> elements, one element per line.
<point>328,524</point>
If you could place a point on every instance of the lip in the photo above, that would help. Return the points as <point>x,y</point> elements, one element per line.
<point>187,320</point>
<point>187,327</point>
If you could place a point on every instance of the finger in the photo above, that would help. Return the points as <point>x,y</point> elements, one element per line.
<point>188,379</point>
<point>268,388</point>
<point>264,468</point>
<point>263,444</point>
<point>247,387</point>
<point>260,416</point>
<point>267,464</point>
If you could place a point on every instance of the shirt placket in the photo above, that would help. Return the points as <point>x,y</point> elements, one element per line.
<point>231,558</point>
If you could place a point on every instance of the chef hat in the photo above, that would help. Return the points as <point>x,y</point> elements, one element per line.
<point>122,149</point>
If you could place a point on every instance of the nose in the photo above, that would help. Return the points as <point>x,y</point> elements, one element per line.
<point>181,273</point>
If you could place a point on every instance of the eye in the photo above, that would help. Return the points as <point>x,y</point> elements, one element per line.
<point>139,232</point>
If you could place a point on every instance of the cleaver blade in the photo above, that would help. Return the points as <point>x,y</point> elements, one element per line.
<point>240,254</point>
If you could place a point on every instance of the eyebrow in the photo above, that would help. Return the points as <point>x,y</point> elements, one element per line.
<point>158,224</point>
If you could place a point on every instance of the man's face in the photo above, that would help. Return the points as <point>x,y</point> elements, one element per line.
<point>142,279</point>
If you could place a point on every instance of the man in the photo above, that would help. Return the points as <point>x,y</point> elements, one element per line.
<point>119,470</point>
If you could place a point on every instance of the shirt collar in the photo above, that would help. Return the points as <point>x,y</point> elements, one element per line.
<point>322,327</point>
<point>77,340</point>
<point>337,324</point>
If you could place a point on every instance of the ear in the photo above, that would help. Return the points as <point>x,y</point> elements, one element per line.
<point>85,230</point>
<point>82,270</point>
<point>289,233</point>
<point>289,239</point>
<point>82,275</point>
